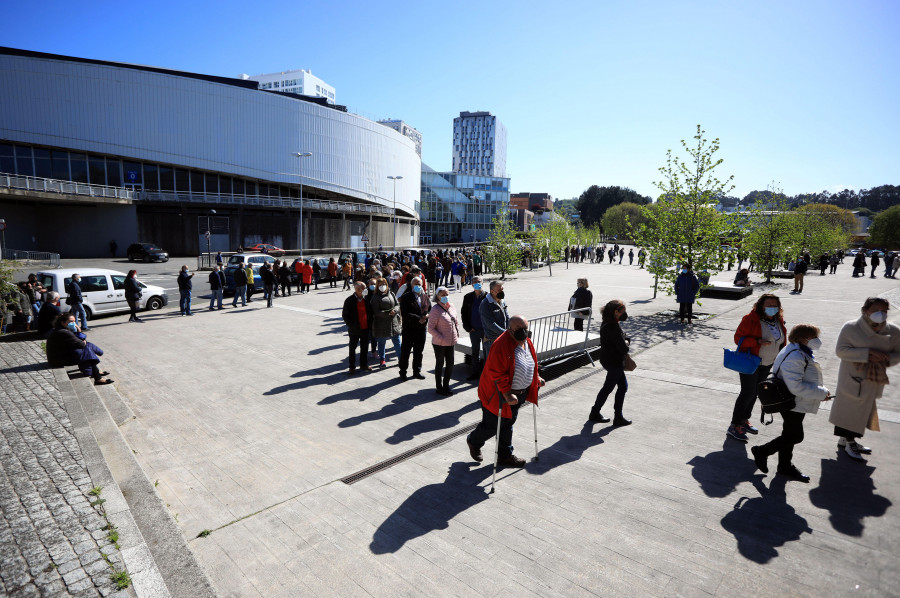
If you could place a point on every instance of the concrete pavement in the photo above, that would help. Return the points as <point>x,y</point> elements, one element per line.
<point>248,421</point>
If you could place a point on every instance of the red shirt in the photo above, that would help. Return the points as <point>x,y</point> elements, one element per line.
<point>361,310</point>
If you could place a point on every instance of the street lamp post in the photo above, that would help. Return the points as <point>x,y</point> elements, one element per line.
<point>394,217</point>
<point>300,177</point>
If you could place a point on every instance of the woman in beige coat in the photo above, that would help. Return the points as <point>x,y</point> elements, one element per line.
<point>867,347</point>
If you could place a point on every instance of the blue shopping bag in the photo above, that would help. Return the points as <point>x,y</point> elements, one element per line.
<point>741,361</point>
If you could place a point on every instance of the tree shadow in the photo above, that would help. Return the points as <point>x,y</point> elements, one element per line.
<point>720,472</point>
<point>649,330</point>
<point>401,404</point>
<point>763,523</point>
<point>568,449</point>
<point>431,508</point>
<point>442,421</point>
<point>847,491</point>
<point>360,392</point>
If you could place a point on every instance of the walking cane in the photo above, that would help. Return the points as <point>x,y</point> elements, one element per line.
<point>497,438</point>
<point>534,413</point>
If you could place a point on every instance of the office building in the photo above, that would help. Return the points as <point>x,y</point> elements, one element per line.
<point>404,129</point>
<point>457,208</point>
<point>479,145</point>
<point>300,81</point>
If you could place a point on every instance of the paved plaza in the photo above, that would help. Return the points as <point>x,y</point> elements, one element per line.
<point>246,423</point>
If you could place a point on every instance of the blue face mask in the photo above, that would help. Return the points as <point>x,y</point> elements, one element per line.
<point>417,289</point>
<point>371,287</point>
<point>445,299</point>
<point>477,286</point>
<point>684,271</point>
<point>771,311</point>
<point>72,326</point>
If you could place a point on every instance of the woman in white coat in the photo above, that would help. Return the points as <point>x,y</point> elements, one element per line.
<point>867,346</point>
<point>797,367</point>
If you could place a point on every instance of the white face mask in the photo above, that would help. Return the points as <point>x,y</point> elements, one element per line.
<point>879,317</point>
<point>382,288</point>
<point>814,344</point>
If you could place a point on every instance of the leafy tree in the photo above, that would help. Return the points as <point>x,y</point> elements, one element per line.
<point>594,202</point>
<point>818,231</point>
<point>881,197</point>
<point>619,219</point>
<point>504,251</point>
<point>885,229</point>
<point>553,234</point>
<point>684,226</point>
<point>768,233</point>
<point>832,215</point>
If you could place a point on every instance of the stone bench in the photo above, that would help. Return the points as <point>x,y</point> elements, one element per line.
<point>725,290</point>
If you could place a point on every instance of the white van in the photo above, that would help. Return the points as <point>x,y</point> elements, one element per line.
<point>103,290</point>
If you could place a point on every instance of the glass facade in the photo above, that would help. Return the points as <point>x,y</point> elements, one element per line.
<point>459,208</point>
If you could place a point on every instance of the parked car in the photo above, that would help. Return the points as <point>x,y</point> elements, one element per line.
<point>323,269</point>
<point>254,259</point>
<point>355,257</point>
<point>103,290</point>
<point>147,252</point>
<point>269,249</point>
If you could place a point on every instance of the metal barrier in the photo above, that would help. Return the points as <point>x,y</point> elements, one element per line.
<point>32,257</point>
<point>43,185</point>
<point>554,337</point>
<point>264,200</point>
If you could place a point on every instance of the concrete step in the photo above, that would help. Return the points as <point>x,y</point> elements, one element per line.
<point>153,547</point>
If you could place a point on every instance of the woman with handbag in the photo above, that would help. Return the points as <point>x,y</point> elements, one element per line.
<point>866,347</point>
<point>797,367</point>
<point>582,299</point>
<point>388,323</point>
<point>761,333</point>
<point>613,356</point>
<point>132,294</point>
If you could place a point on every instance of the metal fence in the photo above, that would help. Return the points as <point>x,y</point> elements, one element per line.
<point>30,183</point>
<point>554,337</point>
<point>51,260</point>
<point>318,205</point>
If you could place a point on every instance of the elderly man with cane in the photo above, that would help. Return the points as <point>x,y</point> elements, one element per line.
<point>510,372</point>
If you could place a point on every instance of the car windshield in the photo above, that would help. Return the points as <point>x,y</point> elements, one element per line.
<point>235,259</point>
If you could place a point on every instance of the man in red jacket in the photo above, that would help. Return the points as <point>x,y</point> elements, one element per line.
<point>511,372</point>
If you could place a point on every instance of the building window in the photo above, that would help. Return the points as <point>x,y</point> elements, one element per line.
<point>7,158</point>
<point>96,170</point>
<point>182,181</point>
<point>151,177</point>
<point>166,179</point>
<point>24,163</point>
<point>212,183</point>
<point>196,183</point>
<point>132,172</point>
<point>113,172</point>
<point>59,163</point>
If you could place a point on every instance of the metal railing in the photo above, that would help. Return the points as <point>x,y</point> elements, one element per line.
<point>265,201</point>
<point>554,337</point>
<point>44,185</point>
<point>32,257</point>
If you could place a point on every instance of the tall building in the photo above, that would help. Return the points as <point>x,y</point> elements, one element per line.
<point>459,208</point>
<point>404,129</point>
<point>479,145</point>
<point>300,81</point>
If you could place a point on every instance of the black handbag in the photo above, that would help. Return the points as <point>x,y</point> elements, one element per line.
<point>774,396</point>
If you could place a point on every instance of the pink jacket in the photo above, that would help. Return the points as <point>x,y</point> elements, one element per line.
<point>442,324</point>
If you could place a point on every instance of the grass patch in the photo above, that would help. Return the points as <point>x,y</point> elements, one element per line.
<point>121,579</point>
<point>96,490</point>
<point>204,533</point>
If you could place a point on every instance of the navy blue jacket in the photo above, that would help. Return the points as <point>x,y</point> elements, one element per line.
<point>75,293</point>
<point>132,289</point>
<point>216,280</point>
<point>686,287</point>
<point>184,281</point>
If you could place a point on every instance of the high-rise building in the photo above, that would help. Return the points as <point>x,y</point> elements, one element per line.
<point>479,145</point>
<point>404,129</point>
<point>300,81</point>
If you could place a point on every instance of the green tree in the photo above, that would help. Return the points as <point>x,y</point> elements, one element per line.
<point>594,202</point>
<point>768,233</point>
<point>619,220</point>
<point>551,238</point>
<point>885,229</point>
<point>684,226</point>
<point>504,251</point>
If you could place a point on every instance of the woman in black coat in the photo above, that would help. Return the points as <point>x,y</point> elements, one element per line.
<point>613,350</point>
<point>582,299</point>
<point>132,294</point>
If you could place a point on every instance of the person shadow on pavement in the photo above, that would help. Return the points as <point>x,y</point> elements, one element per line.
<point>846,489</point>
<point>762,524</point>
<point>325,375</point>
<point>567,449</point>
<point>720,472</point>
<point>442,421</point>
<point>431,508</point>
<point>402,404</point>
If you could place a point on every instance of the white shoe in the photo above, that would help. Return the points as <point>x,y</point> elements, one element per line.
<point>850,450</point>
<point>863,450</point>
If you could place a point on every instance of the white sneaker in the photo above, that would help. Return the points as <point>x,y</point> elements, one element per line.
<point>863,450</point>
<point>850,450</point>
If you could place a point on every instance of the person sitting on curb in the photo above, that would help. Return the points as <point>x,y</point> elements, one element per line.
<point>66,346</point>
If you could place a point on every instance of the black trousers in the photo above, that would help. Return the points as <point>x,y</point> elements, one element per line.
<point>615,377</point>
<point>132,305</point>
<point>686,310</point>
<point>488,427</point>
<point>791,435</point>
<point>850,435</point>
<point>412,341</point>
<point>442,355</point>
<point>362,340</point>
<point>270,294</point>
<point>743,405</point>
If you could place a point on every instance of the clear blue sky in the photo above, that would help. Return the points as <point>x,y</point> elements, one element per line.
<point>804,93</point>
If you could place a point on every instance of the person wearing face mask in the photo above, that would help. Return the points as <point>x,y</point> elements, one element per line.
<point>494,315</point>
<point>388,323</point>
<point>581,300</point>
<point>471,321</point>
<point>866,347</point>
<point>414,308</point>
<point>613,349</point>
<point>761,332</point>
<point>686,288</point>
<point>796,365</point>
<point>184,289</point>
<point>442,324</point>
<point>357,315</point>
<point>510,374</point>
<point>76,301</point>
<point>66,346</point>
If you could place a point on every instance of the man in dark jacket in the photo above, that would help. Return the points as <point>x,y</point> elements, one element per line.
<point>799,273</point>
<point>48,314</point>
<point>184,288</point>
<point>217,286</point>
<point>240,286</point>
<point>357,315</point>
<point>268,280</point>
<point>414,308</point>
<point>494,315</point>
<point>471,321</point>
<point>76,301</point>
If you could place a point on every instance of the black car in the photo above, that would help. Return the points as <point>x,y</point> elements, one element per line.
<point>147,252</point>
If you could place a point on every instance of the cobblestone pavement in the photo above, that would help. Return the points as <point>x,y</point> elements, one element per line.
<point>52,541</point>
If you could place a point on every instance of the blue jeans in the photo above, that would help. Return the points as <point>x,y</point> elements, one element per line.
<point>382,346</point>
<point>615,376</point>
<point>78,310</point>
<point>240,292</point>
<point>185,302</point>
<point>216,295</point>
